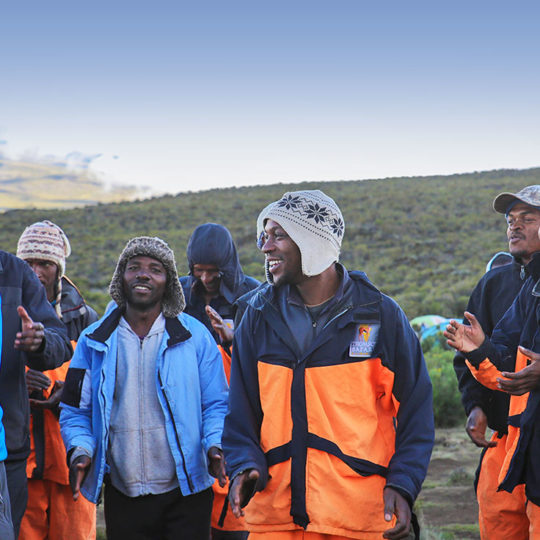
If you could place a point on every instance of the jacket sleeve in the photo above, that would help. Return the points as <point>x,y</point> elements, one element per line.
<point>241,441</point>
<point>76,404</point>
<point>214,390</point>
<point>56,347</point>
<point>412,388</point>
<point>499,353</point>
<point>474,394</point>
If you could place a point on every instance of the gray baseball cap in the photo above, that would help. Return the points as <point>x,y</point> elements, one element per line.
<point>529,195</point>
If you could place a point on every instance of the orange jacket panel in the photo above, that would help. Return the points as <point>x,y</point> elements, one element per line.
<point>55,467</point>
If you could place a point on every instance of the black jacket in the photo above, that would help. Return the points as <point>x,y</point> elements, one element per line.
<point>490,299</point>
<point>76,314</point>
<point>518,326</point>
<point>20,286</point>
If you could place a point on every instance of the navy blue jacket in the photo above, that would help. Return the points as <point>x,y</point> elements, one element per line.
<point>490,299</point>
<point>519,326</point>
<point>20,286</point>
<point>212,244</point>
<point>265,351</point>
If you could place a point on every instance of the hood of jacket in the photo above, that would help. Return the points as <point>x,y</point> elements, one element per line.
<point>213,244</point>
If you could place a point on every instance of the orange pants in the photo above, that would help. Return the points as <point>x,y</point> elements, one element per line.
<point>295,535</point>
<point>501,515</point>
<point>533,513</point>
<point>231,523</point>
<point>52,513</point>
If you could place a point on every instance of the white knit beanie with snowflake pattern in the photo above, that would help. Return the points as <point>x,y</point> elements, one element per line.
<point>313,221</point>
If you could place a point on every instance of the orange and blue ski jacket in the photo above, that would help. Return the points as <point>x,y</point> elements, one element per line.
<point>329,428</point>
<point>519,326</point>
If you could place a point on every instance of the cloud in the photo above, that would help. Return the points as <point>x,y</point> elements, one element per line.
<point>78,160</point>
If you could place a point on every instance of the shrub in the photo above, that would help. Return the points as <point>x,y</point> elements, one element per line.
<point>447,407</point>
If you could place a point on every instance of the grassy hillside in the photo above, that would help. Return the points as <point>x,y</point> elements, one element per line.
<point>27,184</point>
<point>424,241</point>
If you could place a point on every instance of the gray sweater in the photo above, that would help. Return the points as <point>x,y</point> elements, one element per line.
<point>139,454</point>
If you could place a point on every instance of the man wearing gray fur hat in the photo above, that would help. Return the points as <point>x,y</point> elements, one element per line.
<point>330,423</point>
<point>143,405</point>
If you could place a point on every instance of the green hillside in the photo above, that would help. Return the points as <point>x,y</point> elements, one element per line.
<point>424,241</point>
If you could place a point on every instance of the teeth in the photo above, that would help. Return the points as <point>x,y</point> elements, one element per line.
<point>272,263</point>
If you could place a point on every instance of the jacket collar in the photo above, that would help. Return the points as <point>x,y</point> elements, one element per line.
<point>365,302</point>
<point>365,293</point>
<point>533,268</point>
<point>175,329</point>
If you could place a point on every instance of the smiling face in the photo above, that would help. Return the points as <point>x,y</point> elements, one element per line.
<point>282,255</point>
<point>47,272</point>
<point>209,275</point>
<point>144,282</point>
<point>523,230</point>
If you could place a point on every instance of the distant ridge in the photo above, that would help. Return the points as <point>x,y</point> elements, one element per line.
<point>36,184</point>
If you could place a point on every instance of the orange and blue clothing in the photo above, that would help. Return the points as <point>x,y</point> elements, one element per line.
<point>51,511</point>
<point>330,425</point>
<point>501,515</point>
<point>519,326</point>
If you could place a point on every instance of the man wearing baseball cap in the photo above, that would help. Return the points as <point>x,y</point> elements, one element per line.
<point>501,515</point>
<point>330,423</point>
<point>507,362</point>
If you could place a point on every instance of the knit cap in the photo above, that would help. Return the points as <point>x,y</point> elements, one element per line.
<point>46,241</point>
<point>315,224</point>
<point>173,302</point>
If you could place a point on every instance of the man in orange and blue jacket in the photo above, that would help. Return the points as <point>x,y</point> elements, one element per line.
<point>508,362</point>
<point>330,423</point>
<point>501,515</point>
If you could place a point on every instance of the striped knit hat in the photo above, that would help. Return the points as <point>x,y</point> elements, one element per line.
<point>313,221</point>
<point>46,241</point>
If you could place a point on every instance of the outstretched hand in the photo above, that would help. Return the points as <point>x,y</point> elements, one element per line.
<point>77,472</point>
<point>241,490</point>
<point>395,504</point>
<point>476,428</point>
<point>52,401</point>
<point>462,337</point>
<point>216,465</point>
<point>525,380</point>
<point>221,328</point>
<point>32,333</point>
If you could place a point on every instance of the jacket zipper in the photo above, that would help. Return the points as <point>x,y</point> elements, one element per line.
<point>106,441</point>
<point>190,483</point>
<point>347,308</point>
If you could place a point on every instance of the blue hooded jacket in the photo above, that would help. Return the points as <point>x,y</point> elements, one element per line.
<point>192,391</point>
<point>213,244</point>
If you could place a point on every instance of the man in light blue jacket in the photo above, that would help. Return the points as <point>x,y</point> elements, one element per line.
<point>143,405</point>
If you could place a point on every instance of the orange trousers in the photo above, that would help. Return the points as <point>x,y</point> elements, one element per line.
<point>295,535</point>
<point>533,513</point>
<point>501,515</point>
<point>52,514</point>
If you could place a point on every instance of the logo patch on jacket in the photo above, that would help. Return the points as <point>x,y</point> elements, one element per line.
<point>364,340</point>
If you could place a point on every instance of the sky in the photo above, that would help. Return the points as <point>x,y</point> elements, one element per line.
<point>185,96</point>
